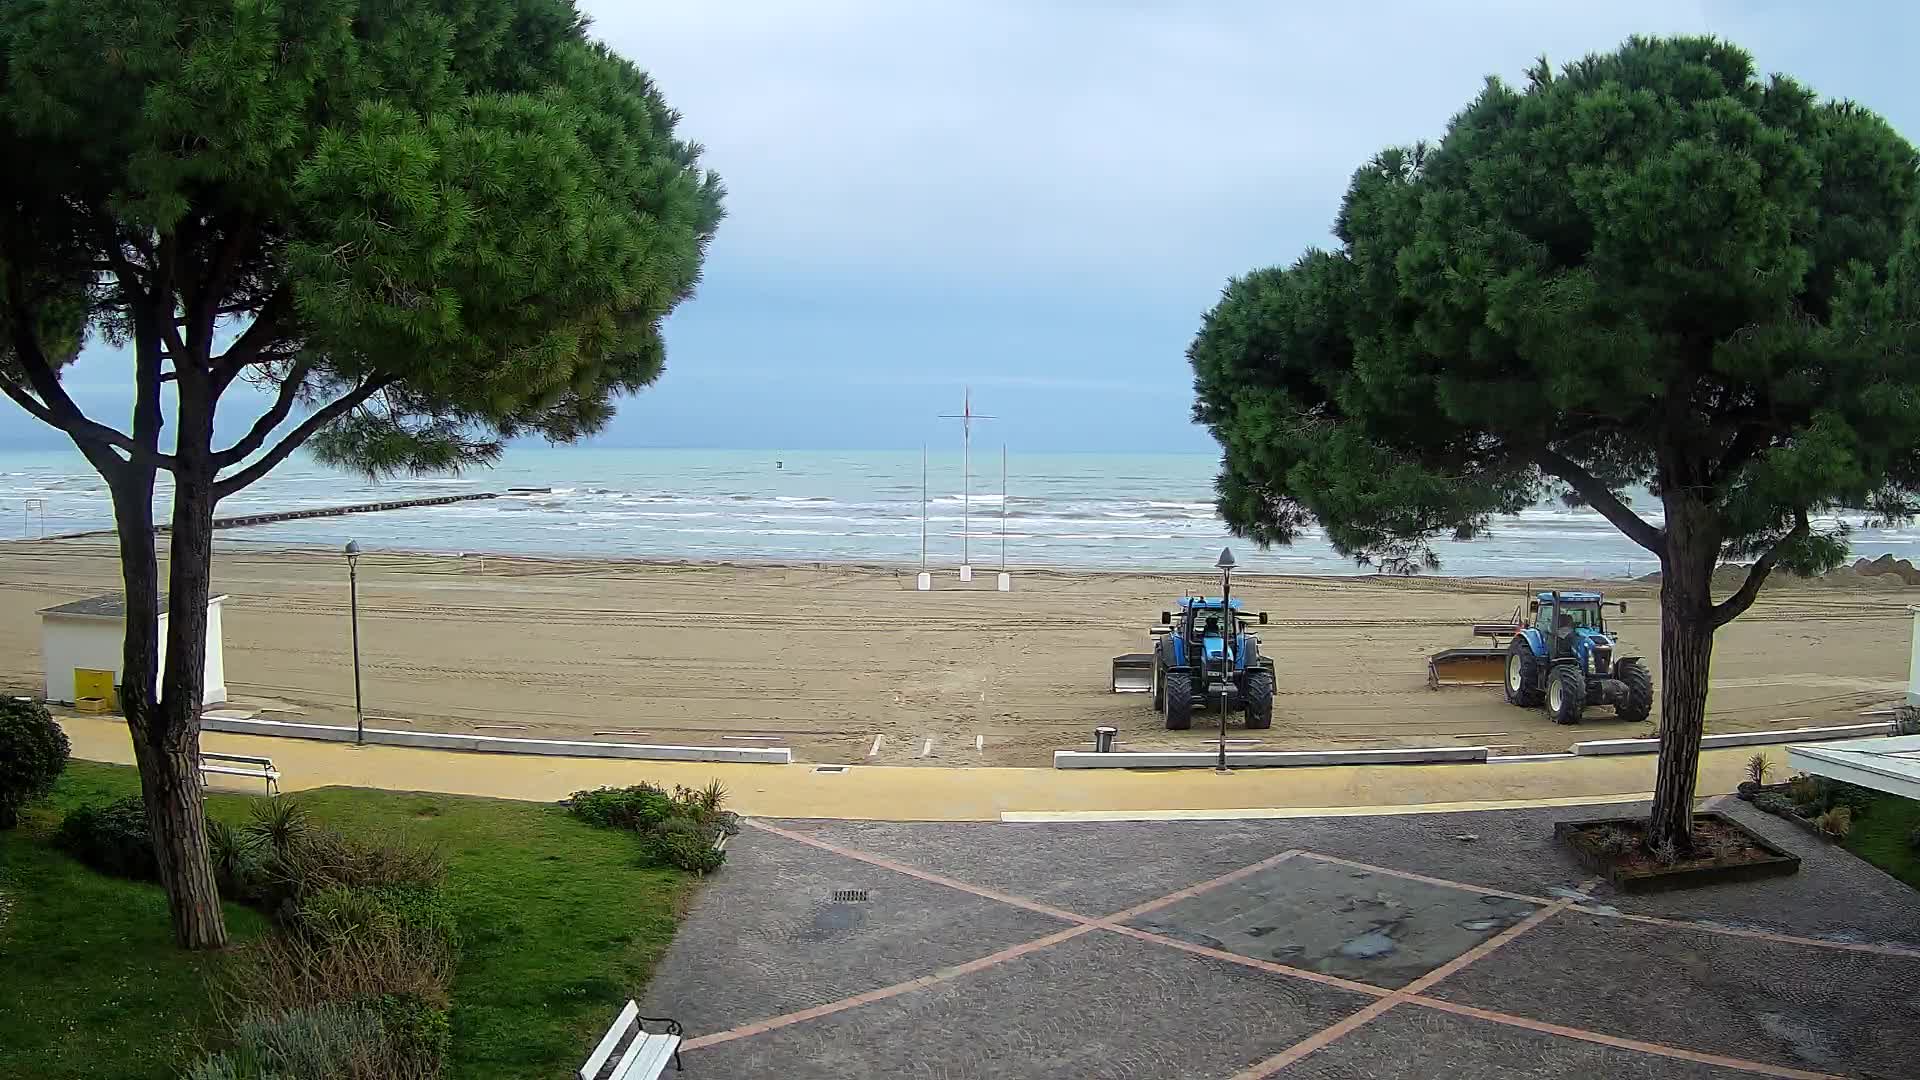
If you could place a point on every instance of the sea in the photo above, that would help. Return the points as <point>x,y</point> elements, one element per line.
<point>1074,511</point>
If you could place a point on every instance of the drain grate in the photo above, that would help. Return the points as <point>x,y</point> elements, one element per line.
<point>829,768</point>
<point>850,896</point>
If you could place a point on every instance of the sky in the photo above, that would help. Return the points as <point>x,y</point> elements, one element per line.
<point>1038,200</point>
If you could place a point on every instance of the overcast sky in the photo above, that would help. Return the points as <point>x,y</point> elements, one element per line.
<point>1040,199</point>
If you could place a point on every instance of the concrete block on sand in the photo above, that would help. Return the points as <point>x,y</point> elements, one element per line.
<point>497,744</point>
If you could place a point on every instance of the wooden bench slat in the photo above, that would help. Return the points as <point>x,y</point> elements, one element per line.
<point>647,1058</point>
<point>628,1016</point>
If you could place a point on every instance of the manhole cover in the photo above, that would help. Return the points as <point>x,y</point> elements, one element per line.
<point>849,896</point>
<point>829,768</point>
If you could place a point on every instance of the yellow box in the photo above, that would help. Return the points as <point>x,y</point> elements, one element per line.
<point>93,684</point>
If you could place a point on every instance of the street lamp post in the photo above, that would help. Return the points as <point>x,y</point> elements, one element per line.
<point>1229,628</point>
<point>353,606</point>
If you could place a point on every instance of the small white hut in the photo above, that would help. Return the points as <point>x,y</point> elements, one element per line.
<point>82,646</point>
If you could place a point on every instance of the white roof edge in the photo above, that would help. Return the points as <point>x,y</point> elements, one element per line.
<point>1881,764</point>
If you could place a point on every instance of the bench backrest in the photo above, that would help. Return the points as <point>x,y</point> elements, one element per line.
<point>266,763</point>
<point>629,1017</point>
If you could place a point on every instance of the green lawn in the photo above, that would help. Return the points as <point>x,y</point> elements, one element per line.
<point>1880,837</point>
<point>560,924</point>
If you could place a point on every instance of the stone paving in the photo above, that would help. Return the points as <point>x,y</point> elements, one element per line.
<point>1458,945</point>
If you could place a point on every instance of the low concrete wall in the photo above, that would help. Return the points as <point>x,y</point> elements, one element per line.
<point>1740,738</point>
<point>497,744</point>
<point>1258,759</point>
<point>1530,759</point>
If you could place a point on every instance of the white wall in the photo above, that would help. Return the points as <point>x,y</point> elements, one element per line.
<point>68,642</point>
<point>215,679</point>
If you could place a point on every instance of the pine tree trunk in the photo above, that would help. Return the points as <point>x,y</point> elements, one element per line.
<point>1686,663</point>
<point>174,809</point>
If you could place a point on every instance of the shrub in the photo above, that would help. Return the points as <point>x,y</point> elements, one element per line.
<point>1835,823</point>
<point>1853,797</point>
<point>1807,796</point>
<point>1913,838</point>
<point>337,912</point>
<point>353,959</point>
<point>112,839</point>
<point>637,808</point>
<point>278,823</point>
<point>683,843</point>
<point>1757,768</point>
<point>319,1043</point>
<point>33,751</point>
<point>318,859</point>
<point>237,865</point>
<point>1773,802</point>
<point>417,1035</point>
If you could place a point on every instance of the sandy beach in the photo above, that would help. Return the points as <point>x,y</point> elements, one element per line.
<point>835,661</point>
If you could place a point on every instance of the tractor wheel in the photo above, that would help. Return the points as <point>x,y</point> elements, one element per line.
<point>1566,694</point>
<point>1178,688</point>
<point>1639,682</point>
<point>1523,675</point>
<point>1159,686</point>
<point>1259,699</point>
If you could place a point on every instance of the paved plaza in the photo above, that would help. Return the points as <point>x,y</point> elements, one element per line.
<point>1458,945</point>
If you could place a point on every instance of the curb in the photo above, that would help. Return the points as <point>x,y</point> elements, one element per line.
<point>1738,738</point>
<point>499,744</point>
<point>1267,759</point>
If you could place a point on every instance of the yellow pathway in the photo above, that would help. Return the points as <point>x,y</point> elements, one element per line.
<point>940,794</point>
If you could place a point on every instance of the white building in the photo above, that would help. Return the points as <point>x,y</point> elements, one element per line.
<point>82,645</point>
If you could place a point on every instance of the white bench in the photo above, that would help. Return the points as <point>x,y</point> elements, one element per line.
<point>643,1056</point>
<point>258,768</point>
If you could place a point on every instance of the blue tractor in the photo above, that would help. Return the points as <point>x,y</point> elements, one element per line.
<point>1201,654</point>
<point>1564,660</point>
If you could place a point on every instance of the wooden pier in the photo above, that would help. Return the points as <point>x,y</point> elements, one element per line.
<point>340,511</point>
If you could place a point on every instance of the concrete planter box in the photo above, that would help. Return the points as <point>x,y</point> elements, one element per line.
<point>1576,835</point>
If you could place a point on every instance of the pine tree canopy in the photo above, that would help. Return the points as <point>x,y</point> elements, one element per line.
<point>1654,269</point>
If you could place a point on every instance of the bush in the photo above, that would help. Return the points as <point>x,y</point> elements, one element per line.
<point>637,808</point>
<point>338,912</point>
<point>353,959</point>
<point>1757,768</point>
<point>1773,802</point>
<point>319,1043</point>
<point>417,1034</point>
<point>681,842</point>
<point>1807,796</point>
<point>278,823</point>
<point>112,839</point>
<point>1835,823</point>
<point>238,868</point>
<point>33,751</point>
<point>316,860</point>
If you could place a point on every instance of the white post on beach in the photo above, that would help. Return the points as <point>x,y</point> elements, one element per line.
<point>924,582</point>
<point>1006,580</point>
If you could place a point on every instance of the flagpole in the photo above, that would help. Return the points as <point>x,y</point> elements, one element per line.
<point>966,482</point>
<point>923,506</point>
<point>1003,506</point>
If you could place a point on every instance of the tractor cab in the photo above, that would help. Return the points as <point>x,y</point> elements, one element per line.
<point>1204,626</point>
<point>1571,622</point>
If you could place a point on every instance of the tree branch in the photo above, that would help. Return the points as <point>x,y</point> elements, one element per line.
<point>306,430</point>
<point>1734,606</point>
<point>54,407</point>
<point>1602,498</point>
<point>274,416</point>
<point>261,334</point>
